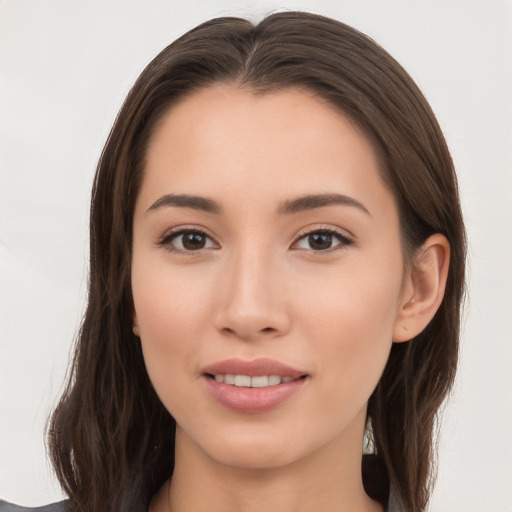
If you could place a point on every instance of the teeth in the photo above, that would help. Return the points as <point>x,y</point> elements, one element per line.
<point>274,380</point>
<point>260,381</point>
<point>243,381</point>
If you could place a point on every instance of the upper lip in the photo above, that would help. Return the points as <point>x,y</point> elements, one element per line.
<point>254,368</point>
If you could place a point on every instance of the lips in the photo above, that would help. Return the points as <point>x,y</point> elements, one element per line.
<point>252,386</point>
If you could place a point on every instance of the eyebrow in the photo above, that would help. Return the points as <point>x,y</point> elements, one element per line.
<point>310,202</point>
<point>300,204</point>
<point>187,201</point>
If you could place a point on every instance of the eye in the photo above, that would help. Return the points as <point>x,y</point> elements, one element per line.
<point>187,240</point>
<point>322,240</point>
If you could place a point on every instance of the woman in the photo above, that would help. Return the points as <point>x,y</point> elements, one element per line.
<point>277,264</point>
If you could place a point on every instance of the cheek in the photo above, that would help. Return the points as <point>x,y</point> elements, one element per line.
<point>169,309</point>
<point>352,322</point>
<point>168,298</point>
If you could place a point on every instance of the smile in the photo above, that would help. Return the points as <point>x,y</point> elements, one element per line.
<point>252,386</point>
<point>258,381</point>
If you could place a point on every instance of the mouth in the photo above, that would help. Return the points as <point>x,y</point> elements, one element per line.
<point>256,381</point>
<point>252,386</point>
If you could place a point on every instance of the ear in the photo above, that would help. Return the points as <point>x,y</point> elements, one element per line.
<point>135,327</point>
<point>424,287</point>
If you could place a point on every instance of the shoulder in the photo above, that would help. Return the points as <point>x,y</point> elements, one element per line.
<point>61,506</point>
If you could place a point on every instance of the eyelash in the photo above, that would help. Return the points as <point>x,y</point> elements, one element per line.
<point>167,239</point>
<point>342,238</point>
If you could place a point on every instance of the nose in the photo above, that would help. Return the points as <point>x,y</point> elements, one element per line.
<point>252,303</point>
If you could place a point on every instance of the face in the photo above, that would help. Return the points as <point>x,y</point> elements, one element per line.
<point>266,274</point>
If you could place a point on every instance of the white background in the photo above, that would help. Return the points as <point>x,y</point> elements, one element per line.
<point>65,67</point>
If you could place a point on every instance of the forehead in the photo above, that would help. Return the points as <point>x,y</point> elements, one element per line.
<point>225,140</point>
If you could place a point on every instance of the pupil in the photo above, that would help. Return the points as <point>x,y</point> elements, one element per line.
<point>320,241</point>
<point>193,241</point>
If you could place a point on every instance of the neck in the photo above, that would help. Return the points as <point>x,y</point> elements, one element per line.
<point>325,481</point>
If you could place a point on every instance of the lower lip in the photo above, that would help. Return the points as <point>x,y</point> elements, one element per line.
<point>252,400</point>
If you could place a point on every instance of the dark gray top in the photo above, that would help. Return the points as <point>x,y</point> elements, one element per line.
<point>61,507</point>
<point>53,507</point>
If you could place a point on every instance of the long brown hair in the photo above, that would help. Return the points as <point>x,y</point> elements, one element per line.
<point>110,433</point>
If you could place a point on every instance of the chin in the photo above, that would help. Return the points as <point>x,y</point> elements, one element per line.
<point>262,447</point>
<point>254,457</point>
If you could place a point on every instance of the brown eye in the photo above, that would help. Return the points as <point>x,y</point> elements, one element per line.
<point>187,241</point>
<point>193,241</point>
<point>322,240</point>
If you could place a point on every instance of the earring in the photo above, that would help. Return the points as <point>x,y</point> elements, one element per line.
<point>368,440</point>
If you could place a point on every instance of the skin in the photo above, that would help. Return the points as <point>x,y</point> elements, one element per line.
<point>258,289</point>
